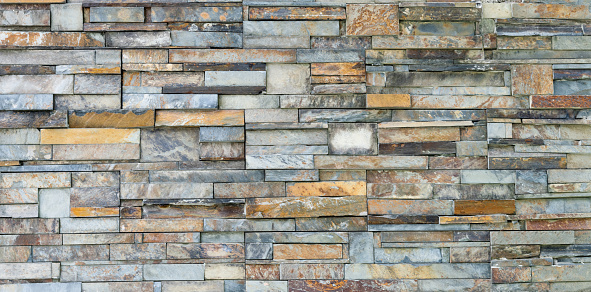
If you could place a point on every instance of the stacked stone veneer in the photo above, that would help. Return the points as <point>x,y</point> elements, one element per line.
<point>168,145</point>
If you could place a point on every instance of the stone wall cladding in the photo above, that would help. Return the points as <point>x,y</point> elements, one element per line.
<point>257,145</point>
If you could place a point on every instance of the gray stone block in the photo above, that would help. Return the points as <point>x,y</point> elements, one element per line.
<point>89,225</point>
<point>97,84</point>
<point>206,39</point>
<point>26,102</point>
<point>361,247</point>
<point>235,78</point>
<point>170,101</point>
<point>116,14</point>
<point>174,272</point>
<point>56,84</point>
<point>66,17</point>
<point>45,287</point>
<point>288,78</point>
<point>170,144</point>
<point>54,203</point>
<point>259,251</point>
<point>135,39</point>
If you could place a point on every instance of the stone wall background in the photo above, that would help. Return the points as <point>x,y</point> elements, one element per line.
<point>167,145</point>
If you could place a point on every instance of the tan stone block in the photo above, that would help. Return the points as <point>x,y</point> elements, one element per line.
<point>50,39</point>
<point>94,211</point>
<point>306,207</point>
<point>161,225</point>
<point>388,100</point>
<point>199,118</point>
<point>89,136</point>
<point>225,271</point>
<point>307,251</point>
<point>354,68</point>
<point>327,189</point>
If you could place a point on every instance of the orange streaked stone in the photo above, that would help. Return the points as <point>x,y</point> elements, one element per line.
<point>388,100</point>
<point>482,207</point>
<point>199,118</point>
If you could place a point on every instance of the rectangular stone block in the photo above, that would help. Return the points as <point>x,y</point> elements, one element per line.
<point>231,56</point>
<point>330,189</point>
<point>225,271</point>
<point>207,176</point>
<point>410,207</point>
<point>405,135</point>
<point>488,176</point>
<point>249,101</point>
<point>35,180</point>
<point>307,251</point>
<point>116,14</point>
<point>531,237</point>
<point>482,207</point>
<point>388,100</point>
<point>70,253</point>
<point>135,39</point>
<point>97,84</point>
<point>177,286</point>
<point>89,225</point>
<point>36,84</point>
<point>560,101</point>
<point>206,39</point>
<point>66,17</point>
<point>532,79</point>
<point>89,136</point>
<point>322,101</point>
<point>287,137</point>
<point>25,271</point>
<point>87,102</point>
<point>332,224</point>
<point>170,144</point>
<point>197,14</point>
<point>427,42</point>
<point>139,251</point>
<point>410,271</point>
<point>306,207</point>
<point>25,16</point>
<point>104,238</point>
<point>559,273</point>
<point>96,152</point>
<point>249,190</point>
<point>200,118</point>
<point>111,119</point>
<point>414,176</point>
<point>279,161</point>
<point>32,287</point>
<point>296,13</point>
<point>531,10</point>
<point>29,226</point>
<point>205,251</point>
<point>329,56</point>
<point>101,273</point>
<point>291,28</point>
<point>54,203</point>
<point>311,271</point>
<point>18,196</point>
<point>426,13</point>
<point>408,255</point>
<point>26,102</point>
<point>291,175</point>
<point>25,152</point>
<point>170,101</point>
<point>166,191</point>
<point>382,17</point>
<point>464,102</point>
<point>344,116</point>
<point>161,225</point>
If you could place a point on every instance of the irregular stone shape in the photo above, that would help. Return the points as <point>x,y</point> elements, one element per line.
<point>66,17</point>
<point>170,144</point>
<point>532,237</point>
<point>35,180</point>
<point>370,162</point>
<point>89,136</point>
<point>288,78</point>
<point>482,207</point>
<point>29,226</point>
<point>413,176</point>
<point>311,271</point>
<point>279,161</point>
<point>96,152</point>
<point>166,191</point>
<point>306,207</point>
<point>332,224</point>
<point>36,84</point>
<point>372,19</point>
<point>216,176</point>
<point>205,251</point>
<point>25,152</point>
<point>408,255</point>
<point>286,137</point>
<point>25,271</point>
<point>54,203</point>
<point>296,13</point>
<point>97,84</point>
<point>291,28</point>
<point>230,56</point>
<point>206,39</point>
<point>352,139</point>
<point>409,271</point>
<point>196,14</point>
<point>32,287</point>
<point>170,101</point>
<point>116,14</point>
<point>161,225</point>
<point>89,225</point>
<point>101,273</point>
<point>111,119</point>
<point>200,118</point>
<point>70,253</point>
<point>410,207</point>
<point>532,79</point>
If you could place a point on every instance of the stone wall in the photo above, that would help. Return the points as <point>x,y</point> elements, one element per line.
<point>346,145</point>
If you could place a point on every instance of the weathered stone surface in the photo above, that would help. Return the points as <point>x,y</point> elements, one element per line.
<point>89,225</point>
<point>25,271</point>
<point>288,78</point>
<point>97,84</point>
<point>287,137</point>
<point>111,119</point>
<point>296,13</point>
<point>100,273</point>
<point>232,56</point>
<point>291,175</point>
<point>344,116</point>
<point>352,139</point>
<point>383,19</point>
<point>532,79</point>
<point>204,250</point>
<point>409,207</point>
<point>307,251</point>
<point>405,135</point>
<point>200,118</point>
<point>66,17</point>
<point>31,287</point>
<point>137,39</point>
<point>96,152</point>
<point>116,14</point>
<point>306,207</point>
<point>89,136</point>
<point>416,176</point>
<point>208,176</point>
<point>161,225</point>
<point>311,271</point>
<point>170,144</point>
<point>409,271</point>
<point>25,152</point>
<point>70,253</point>
<point>279,161</point>
<point>196,14</point>
<point>36,84</point>
<point>532,237</point>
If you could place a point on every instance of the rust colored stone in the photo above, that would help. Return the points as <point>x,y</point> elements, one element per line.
<point>515,251</point>
<point>357,68</point>
<point>559,224</point>
<point>481,207</point>
<point>527,163</point>
<point>388,100</point>
<point>351,285</point>
<point>561,101</point>
<point>111,119</point>
<point>372,19</point>
<point>94,211</point>
<point>49,39</point>
<point>307,251</point>
<point>131,212</point>
<point>511,274</point>
<point>296,13</point>
<point>262,272</point>
<point>532,79</point>
<point>327,189</point>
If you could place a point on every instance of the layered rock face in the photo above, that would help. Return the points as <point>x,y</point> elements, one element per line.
<point>309,145</point>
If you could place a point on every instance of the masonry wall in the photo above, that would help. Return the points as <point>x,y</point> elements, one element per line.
<point>167,145</point>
